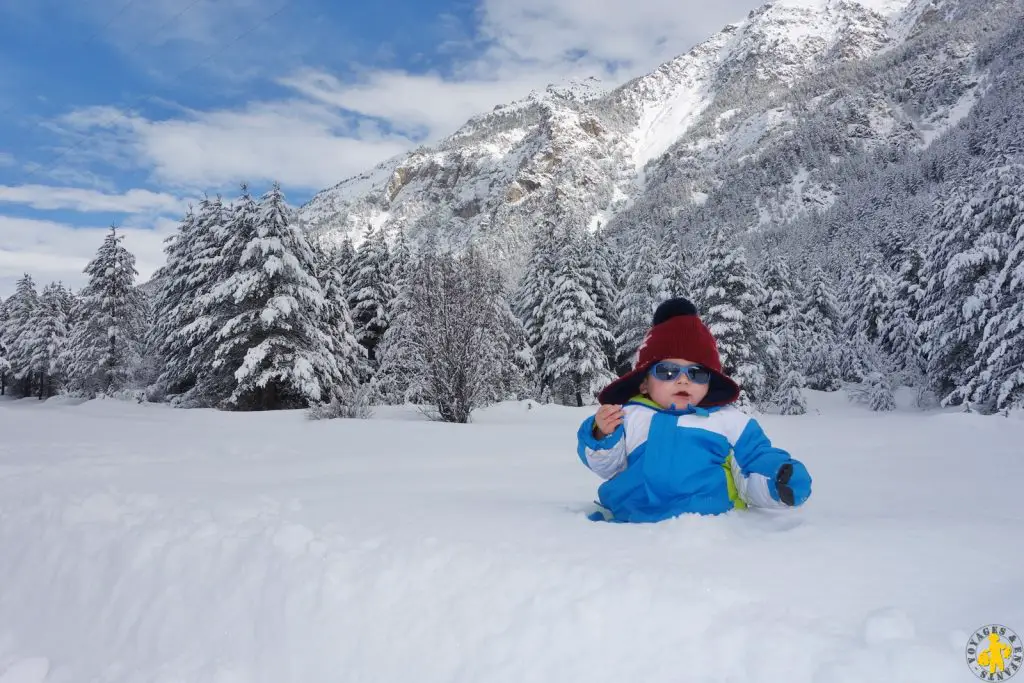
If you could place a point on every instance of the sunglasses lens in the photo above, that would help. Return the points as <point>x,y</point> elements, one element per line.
<point>700,375</point>
<point>666,371</point>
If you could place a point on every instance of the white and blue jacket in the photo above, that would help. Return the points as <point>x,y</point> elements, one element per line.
<point>662,463</point>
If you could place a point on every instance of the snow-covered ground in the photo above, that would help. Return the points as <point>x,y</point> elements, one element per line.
<point>143,543</point>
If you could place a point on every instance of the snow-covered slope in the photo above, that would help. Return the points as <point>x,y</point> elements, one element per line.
<point>840,77</point>
<point>144,543</point>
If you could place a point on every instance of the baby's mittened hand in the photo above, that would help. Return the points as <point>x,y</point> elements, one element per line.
<point>792,484</point>
<point>607,420</point>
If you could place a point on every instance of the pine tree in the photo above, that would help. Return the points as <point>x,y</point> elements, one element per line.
<point>172,305</point>
<point>532,297</point>
<point>274,344</point>
<point>5,364</point>
<point>730,294</point>
<point>397,379</point>
<point>20,310</point>
<point>899,332</point>
<point>996,378</point>
<point>575,336</point>
<point>371,291</point>
<point>345,257</point>
<point>962,267</point>
<point>782,320</point>
<point>190,316</point>
<point>48,340</point>
<point>519,365</point>
<point>600,266</point>
<point>338,328</point>
<point>868,300</point>
<point>637,301</point>
<point>105,346</point>
<point>671,277</point>
<point>819,315</point>
<point>790,395</point>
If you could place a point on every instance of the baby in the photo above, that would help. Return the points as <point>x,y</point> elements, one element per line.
<point>668,442</point>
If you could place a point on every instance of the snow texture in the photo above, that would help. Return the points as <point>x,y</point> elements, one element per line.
<point>204,546</point>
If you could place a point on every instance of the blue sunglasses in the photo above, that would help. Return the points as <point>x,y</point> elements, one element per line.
<point>667,371</point>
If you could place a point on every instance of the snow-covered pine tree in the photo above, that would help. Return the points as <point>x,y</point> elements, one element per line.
<point>371,291</point>
<point>962,265</point>
<point>899,332</point>
<point>5,365</point>
<point>790,396</point>
<point>172,304</point>
<point>345,257</point>
<point>191,322</point>
<point>47,342</point>
<point>575,336</point>
<point>637,300</point>
<point>518,366</point>
<point>338,327</point>
<point>274,345</point>
<point>868,299</point>
<point>105,346</point>
<point>819,315</point>
<point>531,298</point>
<point>20,310</point>
<point>671,278</point>
<point>731,293</point>
<point>996,377</point>
<point>876,382</point>
<point>600,267</point>
<point>782,320</point>
<point>398,380</point>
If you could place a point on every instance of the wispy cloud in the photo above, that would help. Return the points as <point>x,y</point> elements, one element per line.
<point>53,251</point>
<point>625,35</point>
<point>6,159</point>
<point>48,197</point>
<point>424,104</point>
<point>331,128</point>
<point>300,143</point>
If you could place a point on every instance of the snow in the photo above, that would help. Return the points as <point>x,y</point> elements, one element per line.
<point>949,118</point>
<point>147,543</point>
<point>886,8</point>
<point>661,125</point>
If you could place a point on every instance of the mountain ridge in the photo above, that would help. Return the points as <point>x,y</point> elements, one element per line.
<point>664,144</point>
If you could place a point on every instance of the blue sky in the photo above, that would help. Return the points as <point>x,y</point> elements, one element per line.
<point>122,111</point>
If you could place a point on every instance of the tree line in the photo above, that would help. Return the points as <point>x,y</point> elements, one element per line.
<point>251,313</point>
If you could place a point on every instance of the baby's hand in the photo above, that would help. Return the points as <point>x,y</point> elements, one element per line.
<point>607,419</point>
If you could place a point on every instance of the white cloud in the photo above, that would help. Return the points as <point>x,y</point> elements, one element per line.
<point>47,197</point>
<point>636,34</point>
<point>51,251</point>
<point>409,102</point>
<point>300,143</point>
<point>314,139</point>
<point>6,159</point>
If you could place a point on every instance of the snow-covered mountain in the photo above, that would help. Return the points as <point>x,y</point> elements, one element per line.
<point>754,127</point>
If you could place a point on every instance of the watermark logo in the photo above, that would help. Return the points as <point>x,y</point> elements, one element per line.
<point>995,653</point>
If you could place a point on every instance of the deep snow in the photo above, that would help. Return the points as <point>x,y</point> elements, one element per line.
<point>144,543</point>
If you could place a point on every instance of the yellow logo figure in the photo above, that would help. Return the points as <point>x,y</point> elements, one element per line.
<point>995,653</point>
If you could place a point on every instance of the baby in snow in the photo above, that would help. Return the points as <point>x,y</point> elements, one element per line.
<point>668,442</point>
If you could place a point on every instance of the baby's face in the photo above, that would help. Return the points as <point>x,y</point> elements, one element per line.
<point>680,391</point>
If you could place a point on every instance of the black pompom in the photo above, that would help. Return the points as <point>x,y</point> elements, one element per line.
<point>672,308</point>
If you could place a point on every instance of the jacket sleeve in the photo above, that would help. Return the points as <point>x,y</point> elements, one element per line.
<point>605,457</point>
<point>756,462</point>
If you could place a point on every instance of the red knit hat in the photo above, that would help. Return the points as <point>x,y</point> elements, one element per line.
<point>677,332</point>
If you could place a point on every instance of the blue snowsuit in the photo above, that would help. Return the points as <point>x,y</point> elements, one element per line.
<point>662,463</point>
